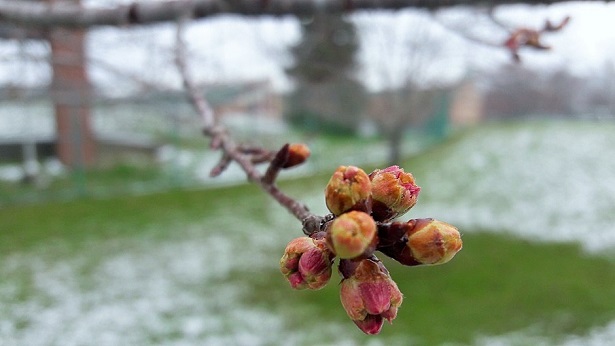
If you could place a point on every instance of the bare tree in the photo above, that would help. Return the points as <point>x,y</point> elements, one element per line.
<point>516,91</point>
<point>409,59</point>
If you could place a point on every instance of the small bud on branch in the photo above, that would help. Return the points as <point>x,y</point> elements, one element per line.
<point>352,234</point>
<point>394,192</point>
<point>306,263</point>
<point>368,294</point>
<point>526,37</point>
<point>348,189</point>
<point>420,241</point>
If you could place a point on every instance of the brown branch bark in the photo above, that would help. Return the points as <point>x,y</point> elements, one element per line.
<point>246,157</point>
<point>36,14</point>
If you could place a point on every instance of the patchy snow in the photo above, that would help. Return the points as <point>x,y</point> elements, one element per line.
<point>542,182</point>
<point>140,291</point>
<point>599,336</point>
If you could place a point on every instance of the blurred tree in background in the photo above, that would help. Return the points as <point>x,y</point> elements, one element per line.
<point>327,96</point>
<point>410,55</point>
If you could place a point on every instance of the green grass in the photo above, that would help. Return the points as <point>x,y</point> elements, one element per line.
<point>22,228</point>
<point>117,179</point>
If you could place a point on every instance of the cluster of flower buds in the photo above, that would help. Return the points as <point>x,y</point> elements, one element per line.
<point>363,207</point>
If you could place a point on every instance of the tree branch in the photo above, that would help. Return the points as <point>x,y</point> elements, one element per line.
<point>36,14</point>
<point>245,156</point>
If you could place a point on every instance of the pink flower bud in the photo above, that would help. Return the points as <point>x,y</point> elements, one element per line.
<point>422,241</point>
<point>352,234</point>
<point>348,189</point>
<point>368,294</point>
<point>297,154</point>
<point>394,192</point>
<point>371,325</point>
<point>306,263</point>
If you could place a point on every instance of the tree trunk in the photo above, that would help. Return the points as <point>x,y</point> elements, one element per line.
<point>395,138</point>
<point>71,94</point>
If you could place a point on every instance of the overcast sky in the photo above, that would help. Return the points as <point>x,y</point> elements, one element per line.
<point>233,48</point>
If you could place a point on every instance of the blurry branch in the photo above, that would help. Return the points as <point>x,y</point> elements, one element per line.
<point>495,20</point>
<point>136,78</point>
<point>528,37</point>
<point>465,33</point>
<point>517,38</point>
<point>247,157</point>
<point>10,32</point>
<point>142,83</point>
<point>37,14</point>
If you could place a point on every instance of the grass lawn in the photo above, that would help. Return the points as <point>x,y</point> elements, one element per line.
<point>200,267</point>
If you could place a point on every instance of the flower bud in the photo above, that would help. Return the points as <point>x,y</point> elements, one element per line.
<point>423,241</point>
<point>368,294</point>
<point>371,324</point>
<point>348,189</point>
<point>352,234</point>
<point>394,192</point>
<point>297,154</point>
<point>306,263</point>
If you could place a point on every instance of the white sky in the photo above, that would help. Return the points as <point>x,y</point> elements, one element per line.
<point>231,48</point>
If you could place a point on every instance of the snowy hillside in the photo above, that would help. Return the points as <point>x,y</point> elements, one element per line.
<point>547,182</point>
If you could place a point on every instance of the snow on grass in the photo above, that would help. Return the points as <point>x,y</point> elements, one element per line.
<point>599,336</point>
<point>153,294</point>
<point>546,182</point>
<point>542,182</point>
<point>188,289</point>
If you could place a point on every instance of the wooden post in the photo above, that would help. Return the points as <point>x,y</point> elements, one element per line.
<point>71,93</point>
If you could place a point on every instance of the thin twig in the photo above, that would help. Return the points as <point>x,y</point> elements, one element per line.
<point>244,156</point>
<point>276,165</point>
<point>201,105</point>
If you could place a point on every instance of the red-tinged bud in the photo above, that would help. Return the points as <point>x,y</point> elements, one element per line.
<point>352,234</point>
<point>306,263</point>
<point>394,192</point>
<point>368,294</point>
<point>434,242</point>
<point>297,154</point>
<point>421,241</point>
<point>348,189</point>
<point>371,325</point>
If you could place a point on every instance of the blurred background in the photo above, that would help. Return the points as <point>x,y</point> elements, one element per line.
<point>113,233</point>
